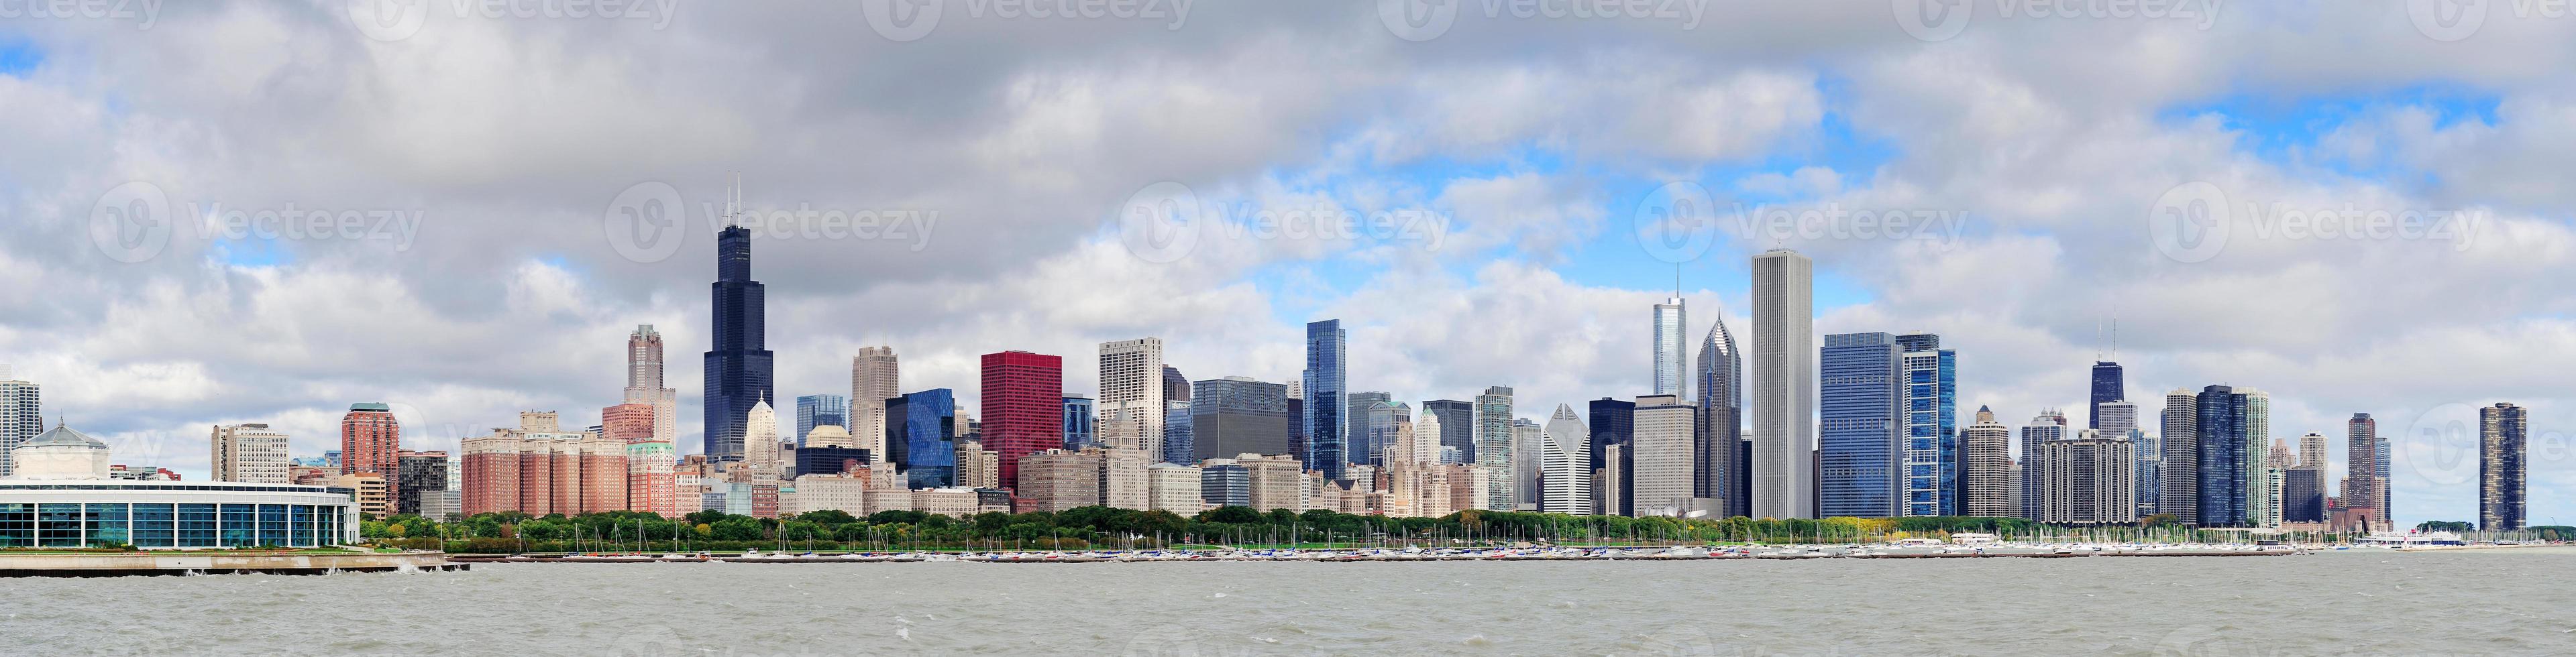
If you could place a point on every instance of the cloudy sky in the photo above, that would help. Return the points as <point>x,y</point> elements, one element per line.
<point>2354,206</point>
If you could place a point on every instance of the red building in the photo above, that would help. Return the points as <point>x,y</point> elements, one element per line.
<point>627,423</point>
<point>371,442</point>
<point>1023,407</point>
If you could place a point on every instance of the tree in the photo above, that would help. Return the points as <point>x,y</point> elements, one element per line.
<point>2444,526</point>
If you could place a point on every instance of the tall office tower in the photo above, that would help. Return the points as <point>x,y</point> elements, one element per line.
<point>1359,438</point>
<point>2257,439</point>
<point>1426,440</point>
<point>1457,427</point>
<point>1024,406</point>
<point>248,453</point>
<point>1672,339</point>
<point>2049,425</point>
<point>1717,468</point>
<point>1176,387</point>
<point>1386,421</point>
<point>1081,428</point>
<point>819,410</point>
<point>1614,485</point>
<point>644,384</point>
<point>2503,451</point>
<point>2303,495</point>
<point>2224,484</point>
<point>1858,450</point>
<point>1179,436</point>
<point>2312,451</point>
<point>875,376</point>
<point>2181,437</point>
<point>2085,481</point>
<point>738,366</point>
<point>1990,480</point>
<point>2149,470</point>
<point>2114,418</point>
<point>370,441</point>
<point>1526,464</point>
<point>1928,424</point>
<point>1494,447</point>
<point>1323,388</point>
<point>1238,415</point>
<point>1784,385</point>
<point>1565,461</point>
<point>2280,458</point>
<point>22,416</point>
<point>2387,508</point>
<point>1663,453</point>
<point>921,430</point>
<point>1131,390</point>
<point>2360,467</point>
<point>2109,385</point>
<point>760,438</point>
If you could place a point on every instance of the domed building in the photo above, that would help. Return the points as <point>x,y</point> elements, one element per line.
<point>61,496</point>
<point>829,435</point>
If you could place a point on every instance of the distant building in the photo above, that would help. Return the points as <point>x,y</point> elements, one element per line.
<point>2110,385</point>
<point>738,361</point>
<point>369,440</point>
<point>1237,415</point>
<point>1174,487</point>
<point>1274,482</point>
<point>540,470</point>
<point>421,476</point>
<point>2303,495</point>
<point>1565,461</point>
<point>1457,426</point>
<point>1131,389</point>
<point>248,453</point>
<point>1858,445</point>
<point>1056,480</point>
<point>1783,386</point>
<point>369,490</point>
<point>629,422</point>
<point>1361,421</point>
<point>2362,481</point>
<point>1671,333</point>
<point>978,467</point>
<point>1662,455</point>
<point>644,386</point>
<point>62,496</point>
<point>1223,482</point>
<point>1081,428</point>
<point>820,410</point>
<point>1323,389</point>
<point>2503,478</point>
<point>2086,480</point>
<point>921,429</point>
<point>875,376</point>
<point>22,416</point>
<point>1720,467</point>
<point>2049,425</point>
<point>1023,408</point>
<point>2181,440</point>
<point>1927,426</point>
<point>1495,444</point>
<point>2227,459</point>
<point>1613,457</point>
<point>1991,483</point>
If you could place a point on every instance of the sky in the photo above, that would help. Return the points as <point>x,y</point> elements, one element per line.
<point>2352,206</point>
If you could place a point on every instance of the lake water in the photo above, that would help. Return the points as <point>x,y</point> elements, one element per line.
<point>2376,602</point>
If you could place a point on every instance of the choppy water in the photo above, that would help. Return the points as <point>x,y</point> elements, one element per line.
<point>2471,602</point>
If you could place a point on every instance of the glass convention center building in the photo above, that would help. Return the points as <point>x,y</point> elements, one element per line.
<point>58,494</point>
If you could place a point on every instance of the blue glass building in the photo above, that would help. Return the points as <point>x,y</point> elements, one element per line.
<point>1933,459</point>
<point>738,367</point>
<point>1326,366</point>
<point>1857,408</point>
<point>1080,428</point>
<point>819,410</point>
<point>921,430</point>
<point>1360,438</point>
<point>1457,425</point>
<point>2223,482</point>
<point>2108,386</point>
<point>1180,434</point>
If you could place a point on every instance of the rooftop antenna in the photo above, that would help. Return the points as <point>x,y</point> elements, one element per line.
<point>733,200</point>
<point>1677,280</point>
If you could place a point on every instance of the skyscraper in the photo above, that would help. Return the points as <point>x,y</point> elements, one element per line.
<point>2503,451</point>
<point>921,435</point>
<point>2118,419</point>
<point>2312,451</point>
<point>1457,426</point>
<point>2181,437</point>
<point>1023,407</point>
<point>2108,386</point>
<point>1989,472</point>
<point>1663,452</point>
<point>644,383</point>
<point>248,453</point>
<point>1718,466</point>
<point>1614,483</point>
<point>1081,428</point>
<point>1784,386</point>
<point>1672,337</point>
<point>1528,465</point>
<point>760,439</point>
<point>875,376</point>
<point>1859,448</point>
<point>370,442</point>
<point>738,367</point>
<point>2225,485</point>
<point>1131,390</point>
<point>2257,439</point>
<point>1239,415</point>
<point>1494,446</point>
<point>2086,480</point>
<point>1361,440</point>
<point>819,410</point>
<point>1928,424</point>
<point>1323,390</point>
<point>2361,470</point>
<point>22,416</point>
<point>1179,435</point>
<point>1565,463</point>
<point>2049,425</point>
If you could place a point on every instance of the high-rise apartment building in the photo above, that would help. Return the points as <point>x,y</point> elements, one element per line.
<point>1784,386</point>
<point>422,477</point>
<point>539,469</point>
<point>2180,436</point>
<point>1672,338</point>
<point>1023,407</point>
<point>2362,479</point>
<point>1927,426</point>
<point>2085,480</point>
<point>2312,451</point>
<point>2226,482</point>
<point>644,385</point>
<point>2255,450</point>
<point>1238,415</point>
<point>1991,481</point>
<point>875,376</point>
<point>2503,478</point>
<point>630,422</point>
<point>1494,448</point>
<point>22,416</point>
<point>1719,469</point>
<point>1858,450</point>
<point>1565,463</point>
<point>1322,388</point>
<point>2049,425</point>
<point>370,439</point>
<point>249,453</point>
<point>1131,390</point>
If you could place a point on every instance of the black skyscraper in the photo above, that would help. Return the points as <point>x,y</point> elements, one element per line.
<point>1614,422</point>
<point>738,368</point>
<point>2107,387</point>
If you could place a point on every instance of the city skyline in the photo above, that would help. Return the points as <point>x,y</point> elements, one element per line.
<point>509,296</point>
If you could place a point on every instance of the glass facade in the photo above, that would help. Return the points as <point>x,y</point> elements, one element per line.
<point>1326,365</point>
<point>1858,425</point>
<point>924,428</point>
<point>167,525</point>
<point>1930,426</point>
<point>2223,484</point>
